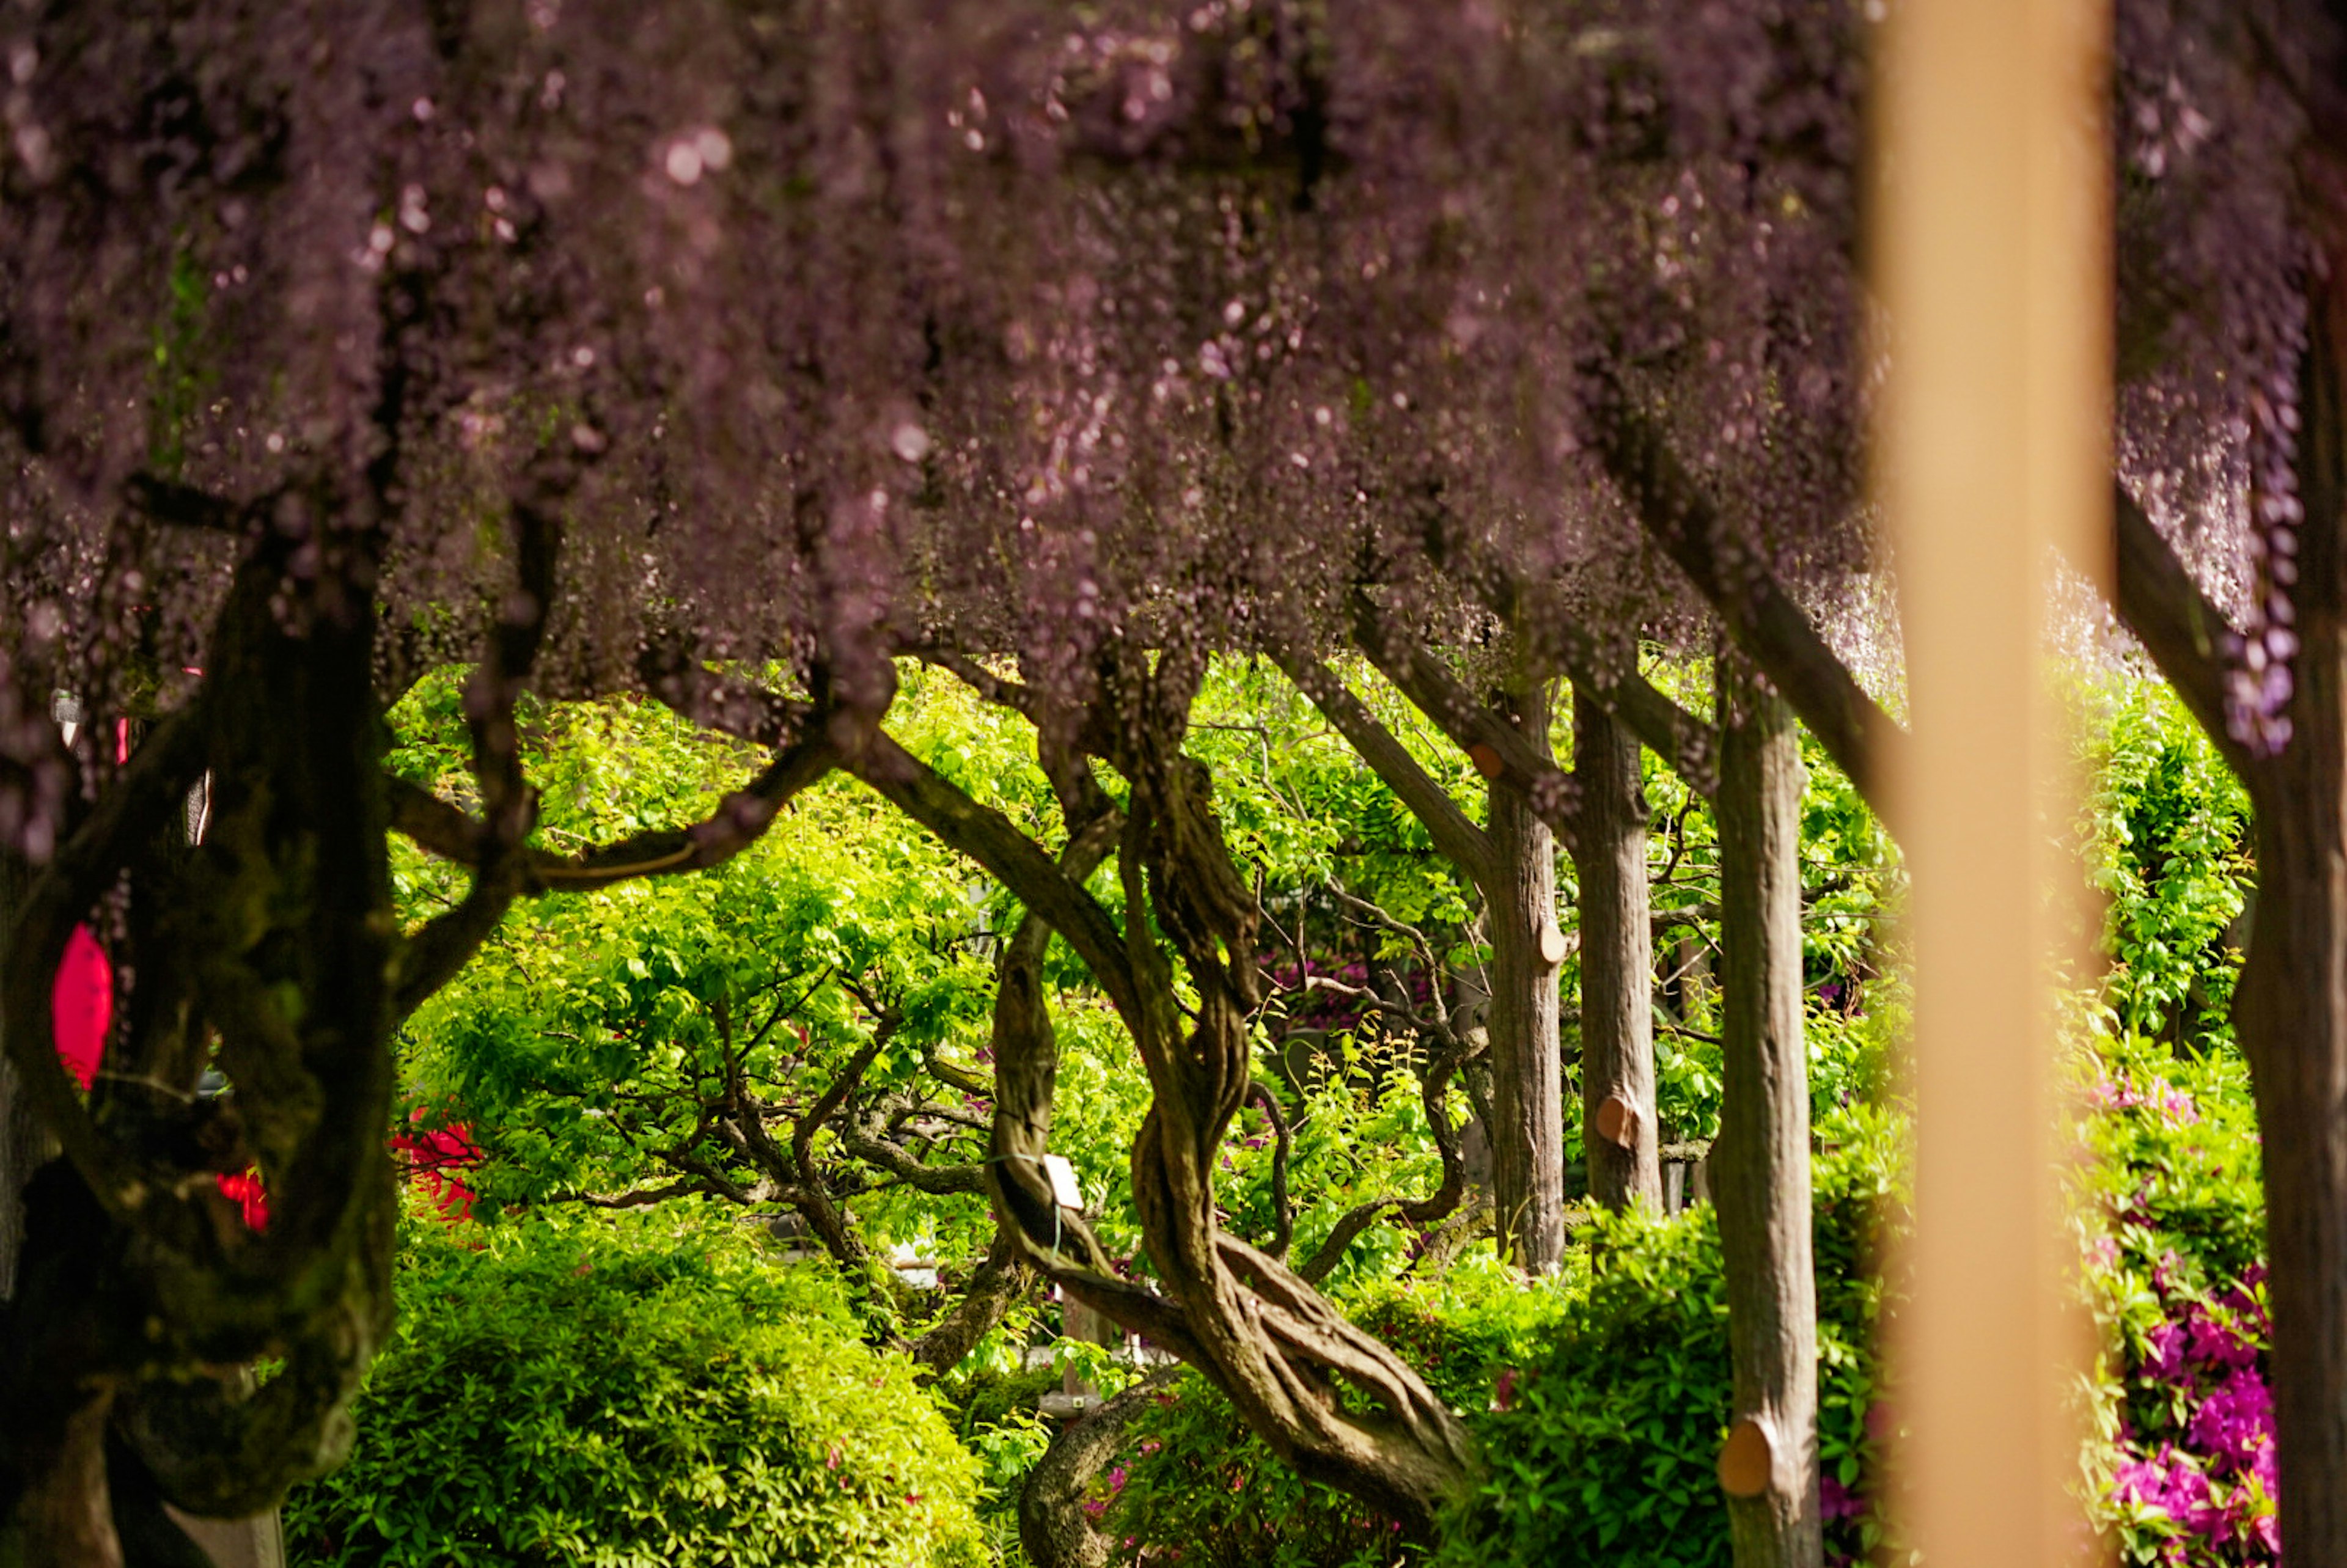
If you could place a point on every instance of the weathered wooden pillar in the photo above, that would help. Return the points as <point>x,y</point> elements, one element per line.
<point>1760,1164</point>
<point>1527,1140</point>
<point>1617,963</point>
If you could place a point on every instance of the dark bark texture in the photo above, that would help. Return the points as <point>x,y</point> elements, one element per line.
<point>138,1285</point>
<point>1617,1023</point>
<point>272,952</point>
<point>1760,1163</point>
<point>24,1143</point>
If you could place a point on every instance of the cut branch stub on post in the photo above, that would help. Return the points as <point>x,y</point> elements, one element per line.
<point>1618,1121</point>
<point>1747,1459</point>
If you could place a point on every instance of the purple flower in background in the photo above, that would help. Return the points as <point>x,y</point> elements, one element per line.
<point>1836,1500</point>
<point>2210,1480</point>
<point>2167,1343</point>
<point>2235,1423</point>
<point>2170,1483</point>
<point>2216,1344</point>
<point>2121,1093</point>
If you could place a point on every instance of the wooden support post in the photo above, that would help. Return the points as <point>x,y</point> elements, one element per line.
<point>1992,257</point>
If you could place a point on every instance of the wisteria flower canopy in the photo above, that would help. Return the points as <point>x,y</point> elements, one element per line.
<point>614,346</point>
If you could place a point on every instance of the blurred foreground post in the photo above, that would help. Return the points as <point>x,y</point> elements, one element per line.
<point>1992,257</point>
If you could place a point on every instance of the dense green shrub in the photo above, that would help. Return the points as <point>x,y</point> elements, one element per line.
<point>1196,1487</point>
<point>1607,1450</point>
<point>2166,840</point>
<point>1600,1398</point>
<point>651,1393</point>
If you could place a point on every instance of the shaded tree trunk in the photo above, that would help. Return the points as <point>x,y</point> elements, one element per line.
<point>2292,1006</point>
<point>23,1144</point>
<point>1527,1132</point>
<point>65,1514</point>
<point>134,1267</point>
<point>1052,1525</point>
<point>1617,1023</point>
<point>1760,1164</point>
<point>2291,1014</point>
<point>18,1136</point>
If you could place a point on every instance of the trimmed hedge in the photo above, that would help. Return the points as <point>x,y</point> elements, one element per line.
<point>640,1395</point>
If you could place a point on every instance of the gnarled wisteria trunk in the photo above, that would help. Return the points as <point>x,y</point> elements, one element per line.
<point>1292,1366</point>
<point>280,941</point>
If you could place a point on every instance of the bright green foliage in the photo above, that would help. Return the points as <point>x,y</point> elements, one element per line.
<point>635,1394</point>
<point>2167,842</point>
<point>1357,1137</point>
<point>1296,801</point>
<point>591,1016</point>
<point>588,1038</point>
<point>2166,1204</point>
<point>2181,1169</point>
<point>583,1038</point>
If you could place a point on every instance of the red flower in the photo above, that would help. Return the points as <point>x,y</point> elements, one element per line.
<point>434,1156</point>
<point>244,1189</point>
<point>81,1005</point>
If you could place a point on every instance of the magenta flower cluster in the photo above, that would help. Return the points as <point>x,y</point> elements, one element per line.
<point>1848,1508</point>
<point>2122,1093</point>
<point>1098,1503</point>
<point>2196,1476</point>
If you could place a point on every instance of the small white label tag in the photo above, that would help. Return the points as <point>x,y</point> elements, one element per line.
<point>1064,1191</point>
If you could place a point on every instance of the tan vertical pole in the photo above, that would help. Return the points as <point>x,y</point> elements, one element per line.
<point>1993,259</point>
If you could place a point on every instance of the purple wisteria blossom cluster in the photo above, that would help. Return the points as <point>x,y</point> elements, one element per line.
<point>1842,1508</point>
